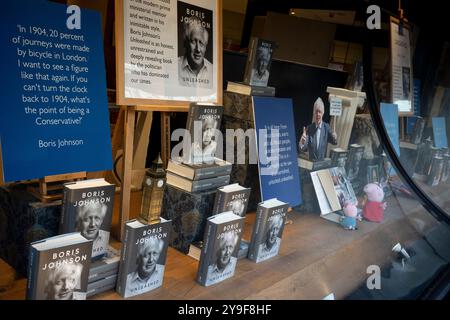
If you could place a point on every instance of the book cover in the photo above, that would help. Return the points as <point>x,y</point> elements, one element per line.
<point>257,69</point>
<point>277,150</point>
<point>59,268</point>
<point>355,155</point>
<point>338,157</point>
<point>203,124</point>
<point>219,253</point>
<point>87,208</point>
<point>143,257</point>
<point>233,198</point>
<point>267,230</point>
<point>439,132</point>
<point>342,186</point>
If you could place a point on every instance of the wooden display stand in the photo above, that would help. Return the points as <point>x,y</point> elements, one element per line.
<point>126,130</point>
<point>129,131</point>
<point>51,187</point>
<point>343,124</point>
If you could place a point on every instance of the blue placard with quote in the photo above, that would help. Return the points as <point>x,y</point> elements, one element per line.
<point>54,116</point>
<point>439,132</point>
<point>277,150</point>
<point>389,113</point>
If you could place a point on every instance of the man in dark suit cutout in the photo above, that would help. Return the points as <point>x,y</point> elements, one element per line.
<point>317,135</point>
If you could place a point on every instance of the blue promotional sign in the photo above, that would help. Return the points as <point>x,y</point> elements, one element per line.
<point>439,132</point>
<point>277,150</point>
<point>54,114</point>
<point>389,113</point>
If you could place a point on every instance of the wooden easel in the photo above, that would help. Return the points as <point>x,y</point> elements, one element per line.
<point>128,132</point>
<point>51,187</point>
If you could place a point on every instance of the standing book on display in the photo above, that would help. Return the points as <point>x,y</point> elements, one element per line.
<point>333,189</point>
<point>232,198</point>
<point>87,208</point>
<point>267,230</point>
<point>219,252</point>
<point>59,268</point>
<point>203,122</point>
<point>257,69</point>
<point>143,257</point>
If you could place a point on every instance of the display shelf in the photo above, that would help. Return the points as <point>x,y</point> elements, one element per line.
<point>313,252</point>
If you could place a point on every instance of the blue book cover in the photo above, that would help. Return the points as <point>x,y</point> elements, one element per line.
<point>389,113</point>
<point>411,121</point>
<point>439,132</point>
<point>277,150</point>
<point>54,118</point>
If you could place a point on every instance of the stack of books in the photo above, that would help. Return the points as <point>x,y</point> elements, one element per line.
<point>103,273</point>
<point>199,169</point>
<point>198,177</point>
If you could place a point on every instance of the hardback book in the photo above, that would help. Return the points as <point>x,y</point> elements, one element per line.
<point>219,254</point>
<point>338,157</point>
<point>203,124</point>
<point>143,257</point>
<point>267,230</point>
<point>259,59</point>
<point>59,268</point>
<point>333,189</point>
<point>307,164</point>
<point>249,90</point>
<point>195,249</point>
<point>87,208</point>
<point>101,285</point>
<point>196,185</point>
<point>233,197</point>
<point>199,171</point>
<point>106,266</point>
<point>355,155</point>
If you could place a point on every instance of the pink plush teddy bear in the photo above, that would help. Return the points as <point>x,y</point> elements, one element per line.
<point>374,208</point>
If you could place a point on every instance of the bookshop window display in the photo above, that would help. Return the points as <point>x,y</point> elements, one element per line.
<point>345,167</point>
